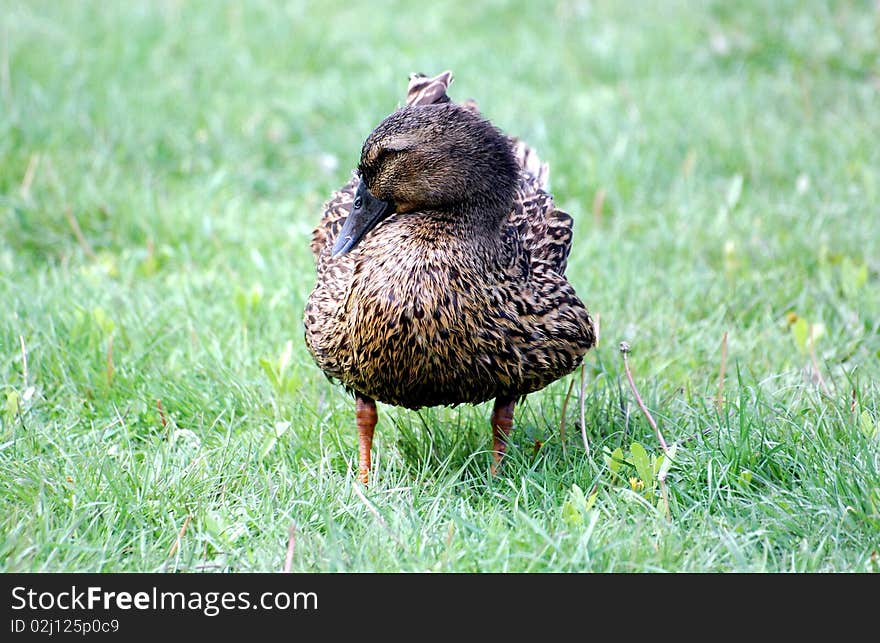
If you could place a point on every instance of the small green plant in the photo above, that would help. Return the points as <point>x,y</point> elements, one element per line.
<point>805,334</point>
<point>12,408</point>
<point>578,507</point>
<point>277,371</point>
<point>103,321</point>
<point>247,301</point>
<point>272,435</point>
<point>853,276</point>
<point>649,469</point>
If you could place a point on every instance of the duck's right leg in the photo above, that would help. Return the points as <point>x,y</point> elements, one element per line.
<point>502,423</point>
<point>366,421</point>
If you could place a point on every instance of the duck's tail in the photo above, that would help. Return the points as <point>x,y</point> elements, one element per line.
<point>537,172</point>
<point>428,91</point>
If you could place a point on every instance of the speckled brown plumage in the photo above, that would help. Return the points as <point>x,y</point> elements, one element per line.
<point>459,295</point>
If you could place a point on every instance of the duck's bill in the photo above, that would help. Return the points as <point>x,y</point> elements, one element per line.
<point>366,213</point>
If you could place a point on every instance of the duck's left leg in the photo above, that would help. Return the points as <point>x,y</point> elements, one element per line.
<point>502,423</point>
<point>366,421</point>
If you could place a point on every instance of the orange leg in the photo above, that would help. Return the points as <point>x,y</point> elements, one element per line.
<point>502,423</point>
<point>366,422</point>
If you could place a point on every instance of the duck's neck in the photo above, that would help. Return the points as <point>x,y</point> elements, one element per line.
<point>442,235</point>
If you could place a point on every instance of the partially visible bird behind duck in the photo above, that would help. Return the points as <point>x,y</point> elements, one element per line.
<point>441,270</point>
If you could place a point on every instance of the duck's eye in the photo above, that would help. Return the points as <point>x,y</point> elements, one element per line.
<point>358,202</point>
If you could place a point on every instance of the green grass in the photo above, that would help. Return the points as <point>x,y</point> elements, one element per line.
<point>194,143</point>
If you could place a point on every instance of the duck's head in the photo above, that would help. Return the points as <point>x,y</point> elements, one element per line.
<point>442,160</point>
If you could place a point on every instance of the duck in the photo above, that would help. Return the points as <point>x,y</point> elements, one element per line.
<point>441,270</point>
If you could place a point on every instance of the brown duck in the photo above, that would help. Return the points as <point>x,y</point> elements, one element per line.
<point>441,270</point>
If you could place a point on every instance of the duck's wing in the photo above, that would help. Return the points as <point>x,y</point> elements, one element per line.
<point>544,229</point>
<point>557,330</point>
<point>335,212</point>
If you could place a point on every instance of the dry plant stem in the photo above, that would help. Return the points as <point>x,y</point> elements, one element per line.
<point>624,349</point>
<point>161,413</point>
<point>719,402</point>
<point>583,414</point>
<point>291,542</point>
<point>176,545</point>
<point>77,232</point>
<point>816,364</point>
<point>638,397</point>
<point>562,421</point>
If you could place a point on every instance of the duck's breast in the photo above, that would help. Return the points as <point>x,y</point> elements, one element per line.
<point>408,321</point>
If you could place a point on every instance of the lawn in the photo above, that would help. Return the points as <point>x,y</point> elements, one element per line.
<point>162,165</point>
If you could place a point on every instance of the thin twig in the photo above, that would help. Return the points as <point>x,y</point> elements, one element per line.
<point>161,413</point>
<point>24,366</point>
<point>110,361</point>
<point>816,364</point>
<point>291,542</point>
<point>583,414</point>
<point>77,232</point>
<point>176,544</point>
<point>562,421</point>
<point>624,349</point>
<point>719,401</point>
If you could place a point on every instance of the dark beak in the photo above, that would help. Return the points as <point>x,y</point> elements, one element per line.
<point>366,213</point>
